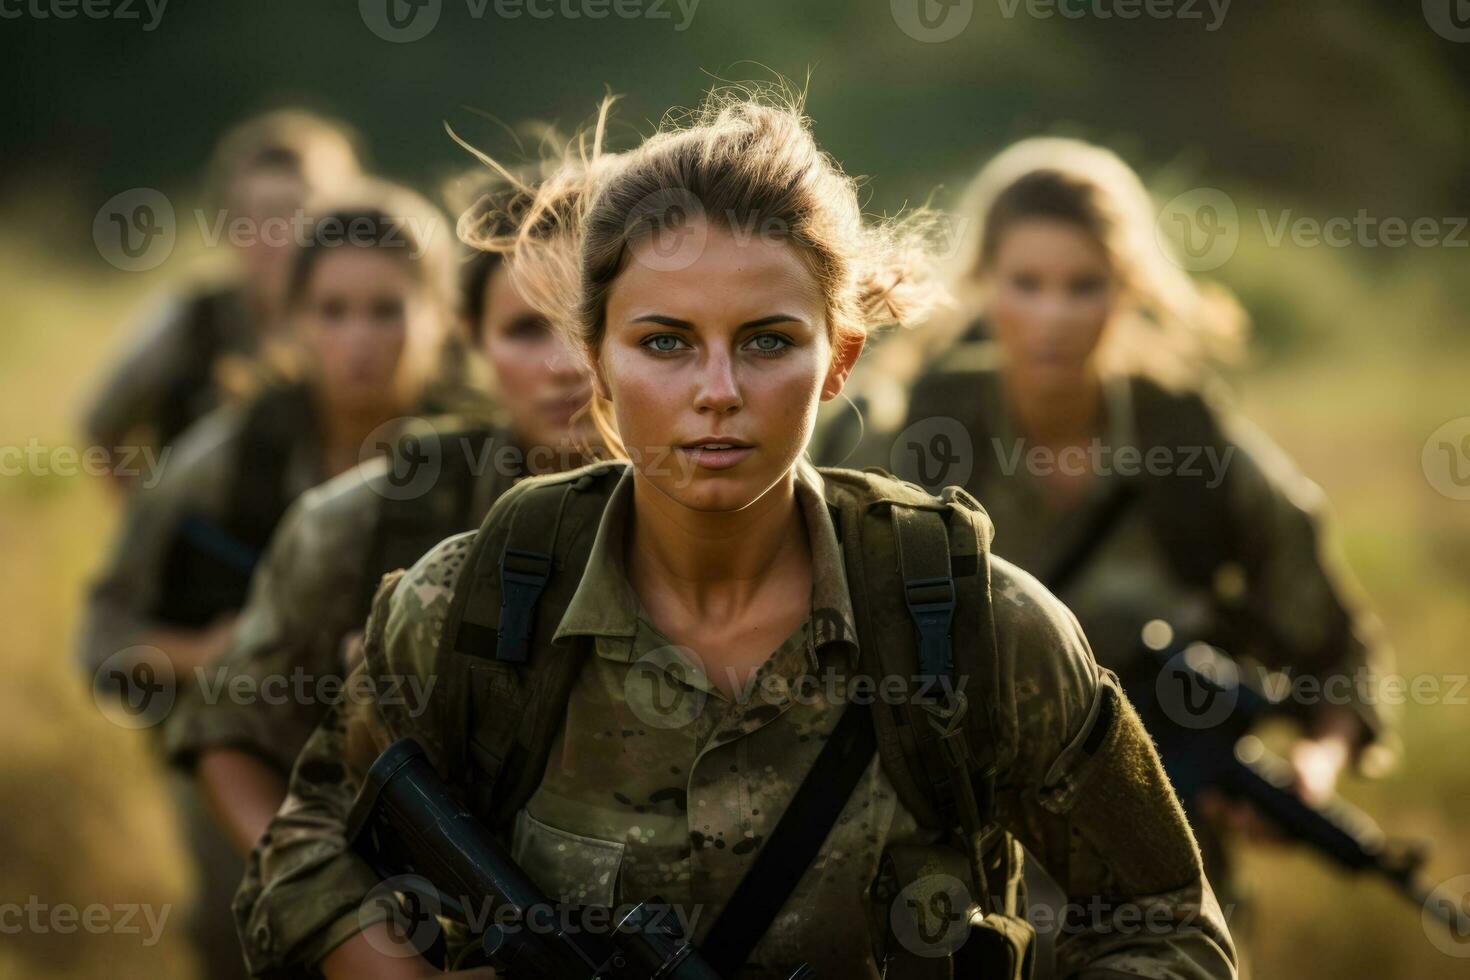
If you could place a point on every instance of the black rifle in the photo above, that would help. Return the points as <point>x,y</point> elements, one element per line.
<point>407,821</point>
<point>1200,708</point>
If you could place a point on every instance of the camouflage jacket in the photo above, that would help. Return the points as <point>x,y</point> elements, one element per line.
<point>1300,586</point>
<point>196,481</point>
<point>644,794</point>
<point>165,379</point>
<point>285,663</point>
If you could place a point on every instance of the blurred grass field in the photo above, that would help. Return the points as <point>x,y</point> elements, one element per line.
<point>1360,358</point>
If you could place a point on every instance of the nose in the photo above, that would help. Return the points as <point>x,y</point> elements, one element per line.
<point>564,363</point>
<point>719,390</point>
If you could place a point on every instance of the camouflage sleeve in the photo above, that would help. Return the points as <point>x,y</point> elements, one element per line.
<point>1303,593</point>
<point>1080,784</point>
<point>133,388</point>
<point>121,595</point>
<point>284,665</point>
<point>304,893</point>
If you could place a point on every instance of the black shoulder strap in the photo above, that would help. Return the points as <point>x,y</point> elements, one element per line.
<point>510,702</point>
<point>204,323</point>
<point>793,845</point>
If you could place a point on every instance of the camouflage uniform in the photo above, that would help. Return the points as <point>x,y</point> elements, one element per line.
<point>644,794</point>
<point>1299,587</point>
<point>310,594</point>
<point>165,380</point>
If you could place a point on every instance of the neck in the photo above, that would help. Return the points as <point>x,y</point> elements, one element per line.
<point>713,562</point>
<point>344,428</point>
<point>1057,415</point>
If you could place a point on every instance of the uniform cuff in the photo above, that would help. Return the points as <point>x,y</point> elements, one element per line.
<point>293,924</point>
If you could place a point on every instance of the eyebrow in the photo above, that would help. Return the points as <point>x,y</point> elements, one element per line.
<point>670,321</point>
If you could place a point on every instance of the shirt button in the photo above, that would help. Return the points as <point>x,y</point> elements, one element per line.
<point>262,937</point>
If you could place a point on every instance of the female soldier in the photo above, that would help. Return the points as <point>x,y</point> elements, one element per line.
<point>1082,423</point>
<point>724,287</point>
<point>369,290</point>
<point>262,172</point>
<point>314,588</point>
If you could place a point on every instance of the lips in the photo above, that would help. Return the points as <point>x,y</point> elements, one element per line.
<point>717,452</point>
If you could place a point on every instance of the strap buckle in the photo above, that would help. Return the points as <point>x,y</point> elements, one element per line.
<point>523,574</point>
<point>931,603</point>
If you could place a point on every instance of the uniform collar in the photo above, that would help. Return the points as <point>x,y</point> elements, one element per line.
<point>605,605</point>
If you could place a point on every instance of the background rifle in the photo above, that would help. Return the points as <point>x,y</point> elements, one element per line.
<point>1200,709</point>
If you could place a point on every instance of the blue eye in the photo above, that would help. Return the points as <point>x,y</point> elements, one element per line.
<point>663,343</point>
<point>768,343</point>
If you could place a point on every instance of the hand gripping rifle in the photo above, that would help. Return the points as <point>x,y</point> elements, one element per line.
<point>407,821</point>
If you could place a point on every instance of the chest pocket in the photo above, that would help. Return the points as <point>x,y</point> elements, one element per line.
<point>568,867</point>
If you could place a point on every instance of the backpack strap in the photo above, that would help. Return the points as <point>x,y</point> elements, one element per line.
<point>409,526</point>
<point>918,574</point>
<point>505,706</point>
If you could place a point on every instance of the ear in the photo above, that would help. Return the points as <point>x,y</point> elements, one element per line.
<point>844,359</point>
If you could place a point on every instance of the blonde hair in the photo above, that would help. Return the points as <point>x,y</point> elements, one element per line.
<point>745,159</point>
<point>1169,325</point>
<point>322,153</point>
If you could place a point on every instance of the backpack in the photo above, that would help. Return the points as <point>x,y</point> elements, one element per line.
<point>1197,527</point>
<point>918,573</point>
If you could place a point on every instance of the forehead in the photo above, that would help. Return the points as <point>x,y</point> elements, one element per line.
<point>715,275</point>
<point>1050,241</point>
<point>356,267</point>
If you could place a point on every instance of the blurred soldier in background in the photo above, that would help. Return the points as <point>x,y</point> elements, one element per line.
<point>313,591</point>
<point>173,370</point>
<point>369,296</point>
<point>1070,394</point>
